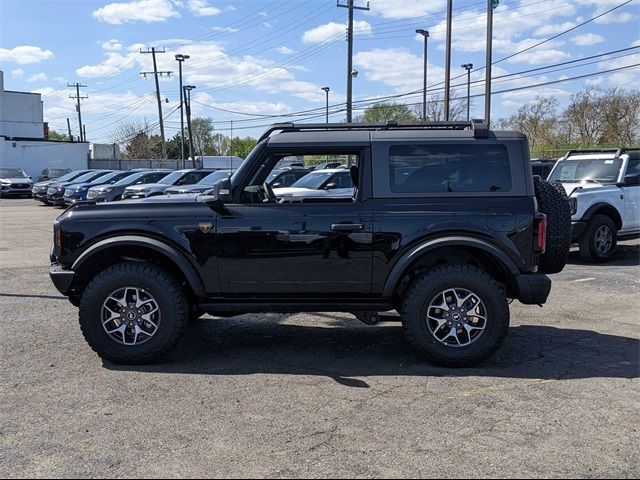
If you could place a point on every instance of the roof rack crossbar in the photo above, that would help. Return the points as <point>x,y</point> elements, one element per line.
<point>479,127</point>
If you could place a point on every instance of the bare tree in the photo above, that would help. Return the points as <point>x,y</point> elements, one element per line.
<point>435,108</point>
<point>137,139</point>
<point>538,120</point>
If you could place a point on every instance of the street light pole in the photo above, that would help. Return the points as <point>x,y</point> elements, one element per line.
<point>187,94</point>
<point>447,65</point>
<point>181,58</point>
<point>491,4</point>
<point>326,91</point>
<point>468,67</point>
<point>425,34</point>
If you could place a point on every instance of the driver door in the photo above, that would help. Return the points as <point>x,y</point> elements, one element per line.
<point>313,246</point>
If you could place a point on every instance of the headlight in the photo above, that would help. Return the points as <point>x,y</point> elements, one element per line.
<point>146,190</point>
<point>92,194</point>
<point>573,203</point>
<point>5,182</point>
<point>68,192</point>
<point>108,190</point>
<point>51,190</point>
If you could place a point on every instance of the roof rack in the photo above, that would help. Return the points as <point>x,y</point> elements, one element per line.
<point>616,151</point>
<point>479,127</point>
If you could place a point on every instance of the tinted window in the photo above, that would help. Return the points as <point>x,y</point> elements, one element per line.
<point>449,168</point>
<point>633,166</point>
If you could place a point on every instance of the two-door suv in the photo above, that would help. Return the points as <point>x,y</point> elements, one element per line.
<point>446,224</point>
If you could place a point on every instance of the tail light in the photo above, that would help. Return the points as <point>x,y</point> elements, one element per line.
<point>540,233</point>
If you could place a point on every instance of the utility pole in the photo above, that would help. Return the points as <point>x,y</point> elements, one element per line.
<point>425,34</point>
<point>326,91</point>
<point>491,4</point>
<point>187,94</point>
<point>84,131</point>
<point>155,72</point>
<point>69,129</point>
<point>468,67</point>
<point>447,65</point>
<point>351,8</point>
<point>181,58</point>
<point>78,97</point>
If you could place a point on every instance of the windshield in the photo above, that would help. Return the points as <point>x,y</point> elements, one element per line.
<point>172,178</point>
<point>12,173</point>
<point>602,170</point>
<point>87,177</point>
<point>129,179</point>
<point>69,176</point>
<point>214,177</point>
<point>110,178</point>
<point>56,172</point>
<point>313,180</point>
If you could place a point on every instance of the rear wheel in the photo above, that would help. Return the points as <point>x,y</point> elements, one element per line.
<point>133,313</point>
<point>455,316</point>
<point>599,240</point>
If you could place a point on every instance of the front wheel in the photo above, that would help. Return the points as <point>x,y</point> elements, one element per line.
<point>598,243</point>
<point>456,316</point>
<point>133,313</point>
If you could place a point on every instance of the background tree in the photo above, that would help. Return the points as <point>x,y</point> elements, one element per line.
<point>137,140</point>
<point>435,108</point>
<point>383,112</point>
<point>538,120</point>
<point>203,132</point>
<point>58,137</point>
<point>243,146</point>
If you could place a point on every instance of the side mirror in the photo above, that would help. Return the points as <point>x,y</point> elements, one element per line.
<point>222,191</point>
<point>276,185</point>
<point>331,186</point>
<point>633,179</point>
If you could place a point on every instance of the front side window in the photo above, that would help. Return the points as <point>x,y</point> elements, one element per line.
<point>449,168</point>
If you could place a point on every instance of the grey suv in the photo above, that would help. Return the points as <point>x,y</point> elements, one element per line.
<point>179,177</point>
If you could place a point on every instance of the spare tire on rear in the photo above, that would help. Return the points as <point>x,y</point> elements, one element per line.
<point>553,202</point>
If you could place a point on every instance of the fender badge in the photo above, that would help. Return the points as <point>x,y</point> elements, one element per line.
<point>205,227</point>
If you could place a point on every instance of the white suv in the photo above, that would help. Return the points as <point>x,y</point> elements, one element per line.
<point>604,190</point>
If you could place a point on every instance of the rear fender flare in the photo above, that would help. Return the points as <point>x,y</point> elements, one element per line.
<point>416,251</point>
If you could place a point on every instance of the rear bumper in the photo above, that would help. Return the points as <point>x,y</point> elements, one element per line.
<point>533,288</point>
<point>61,278</point>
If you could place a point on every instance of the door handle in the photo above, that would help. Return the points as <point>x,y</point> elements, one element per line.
<point>347,227</point>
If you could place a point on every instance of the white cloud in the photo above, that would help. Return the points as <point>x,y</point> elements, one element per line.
<point>329,30</point>
<point>285,50</point>
<point>553,28</point>
<point>224,29</point>
<point>112,45</point>
<point>112,65</point>
<point>137,11</point>
<point>38,77</point>
<point>398,9</point>
<point>625,78</point>
<point>17,73</point>
<point>201,8</point>
<point>25,54</point>
<point>587,39</point>
<point>616,18</point>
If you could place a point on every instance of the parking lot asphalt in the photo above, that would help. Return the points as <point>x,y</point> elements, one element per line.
<point>317,395</point>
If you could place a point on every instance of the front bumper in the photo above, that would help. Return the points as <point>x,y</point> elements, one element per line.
<point>61,278</point>
<point>56,199</point>
<point>13,190</point>
<point>74,200</point>
<point>532,288</point>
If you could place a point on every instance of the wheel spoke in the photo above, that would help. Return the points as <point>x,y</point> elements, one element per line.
<point>130,316</point>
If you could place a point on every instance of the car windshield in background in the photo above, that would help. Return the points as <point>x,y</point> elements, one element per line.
<point>602,170</point>
<point>214,177</point>
<point>87,177</point>
<point>313,180</point>
<point>68,176</point>
<point>132,177</point>
<point>56,172</point>
<point>113,178</point>
<point>171,178</point>
<point>12,173</point>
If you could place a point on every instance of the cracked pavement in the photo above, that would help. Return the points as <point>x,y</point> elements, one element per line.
<point>318,395</point>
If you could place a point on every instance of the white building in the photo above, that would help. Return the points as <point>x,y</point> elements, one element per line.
<point>22,142</point>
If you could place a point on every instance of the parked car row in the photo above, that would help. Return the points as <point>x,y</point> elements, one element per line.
<point>102,185</point>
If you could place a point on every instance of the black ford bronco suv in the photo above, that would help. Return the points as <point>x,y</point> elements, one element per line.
<point>446,224</point>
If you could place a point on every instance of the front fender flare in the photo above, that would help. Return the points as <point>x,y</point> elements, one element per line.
<point>449,241</point>
<point>179,259</point>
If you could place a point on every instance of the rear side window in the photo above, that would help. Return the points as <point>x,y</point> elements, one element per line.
<point>449,168</point>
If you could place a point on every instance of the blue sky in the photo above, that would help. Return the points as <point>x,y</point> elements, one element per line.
<point>257,58</point>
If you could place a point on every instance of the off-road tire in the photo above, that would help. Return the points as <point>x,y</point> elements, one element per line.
<point>587,242</point>
<point>429,284</point>
<point>171,299</point>
<point>553,202</point>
